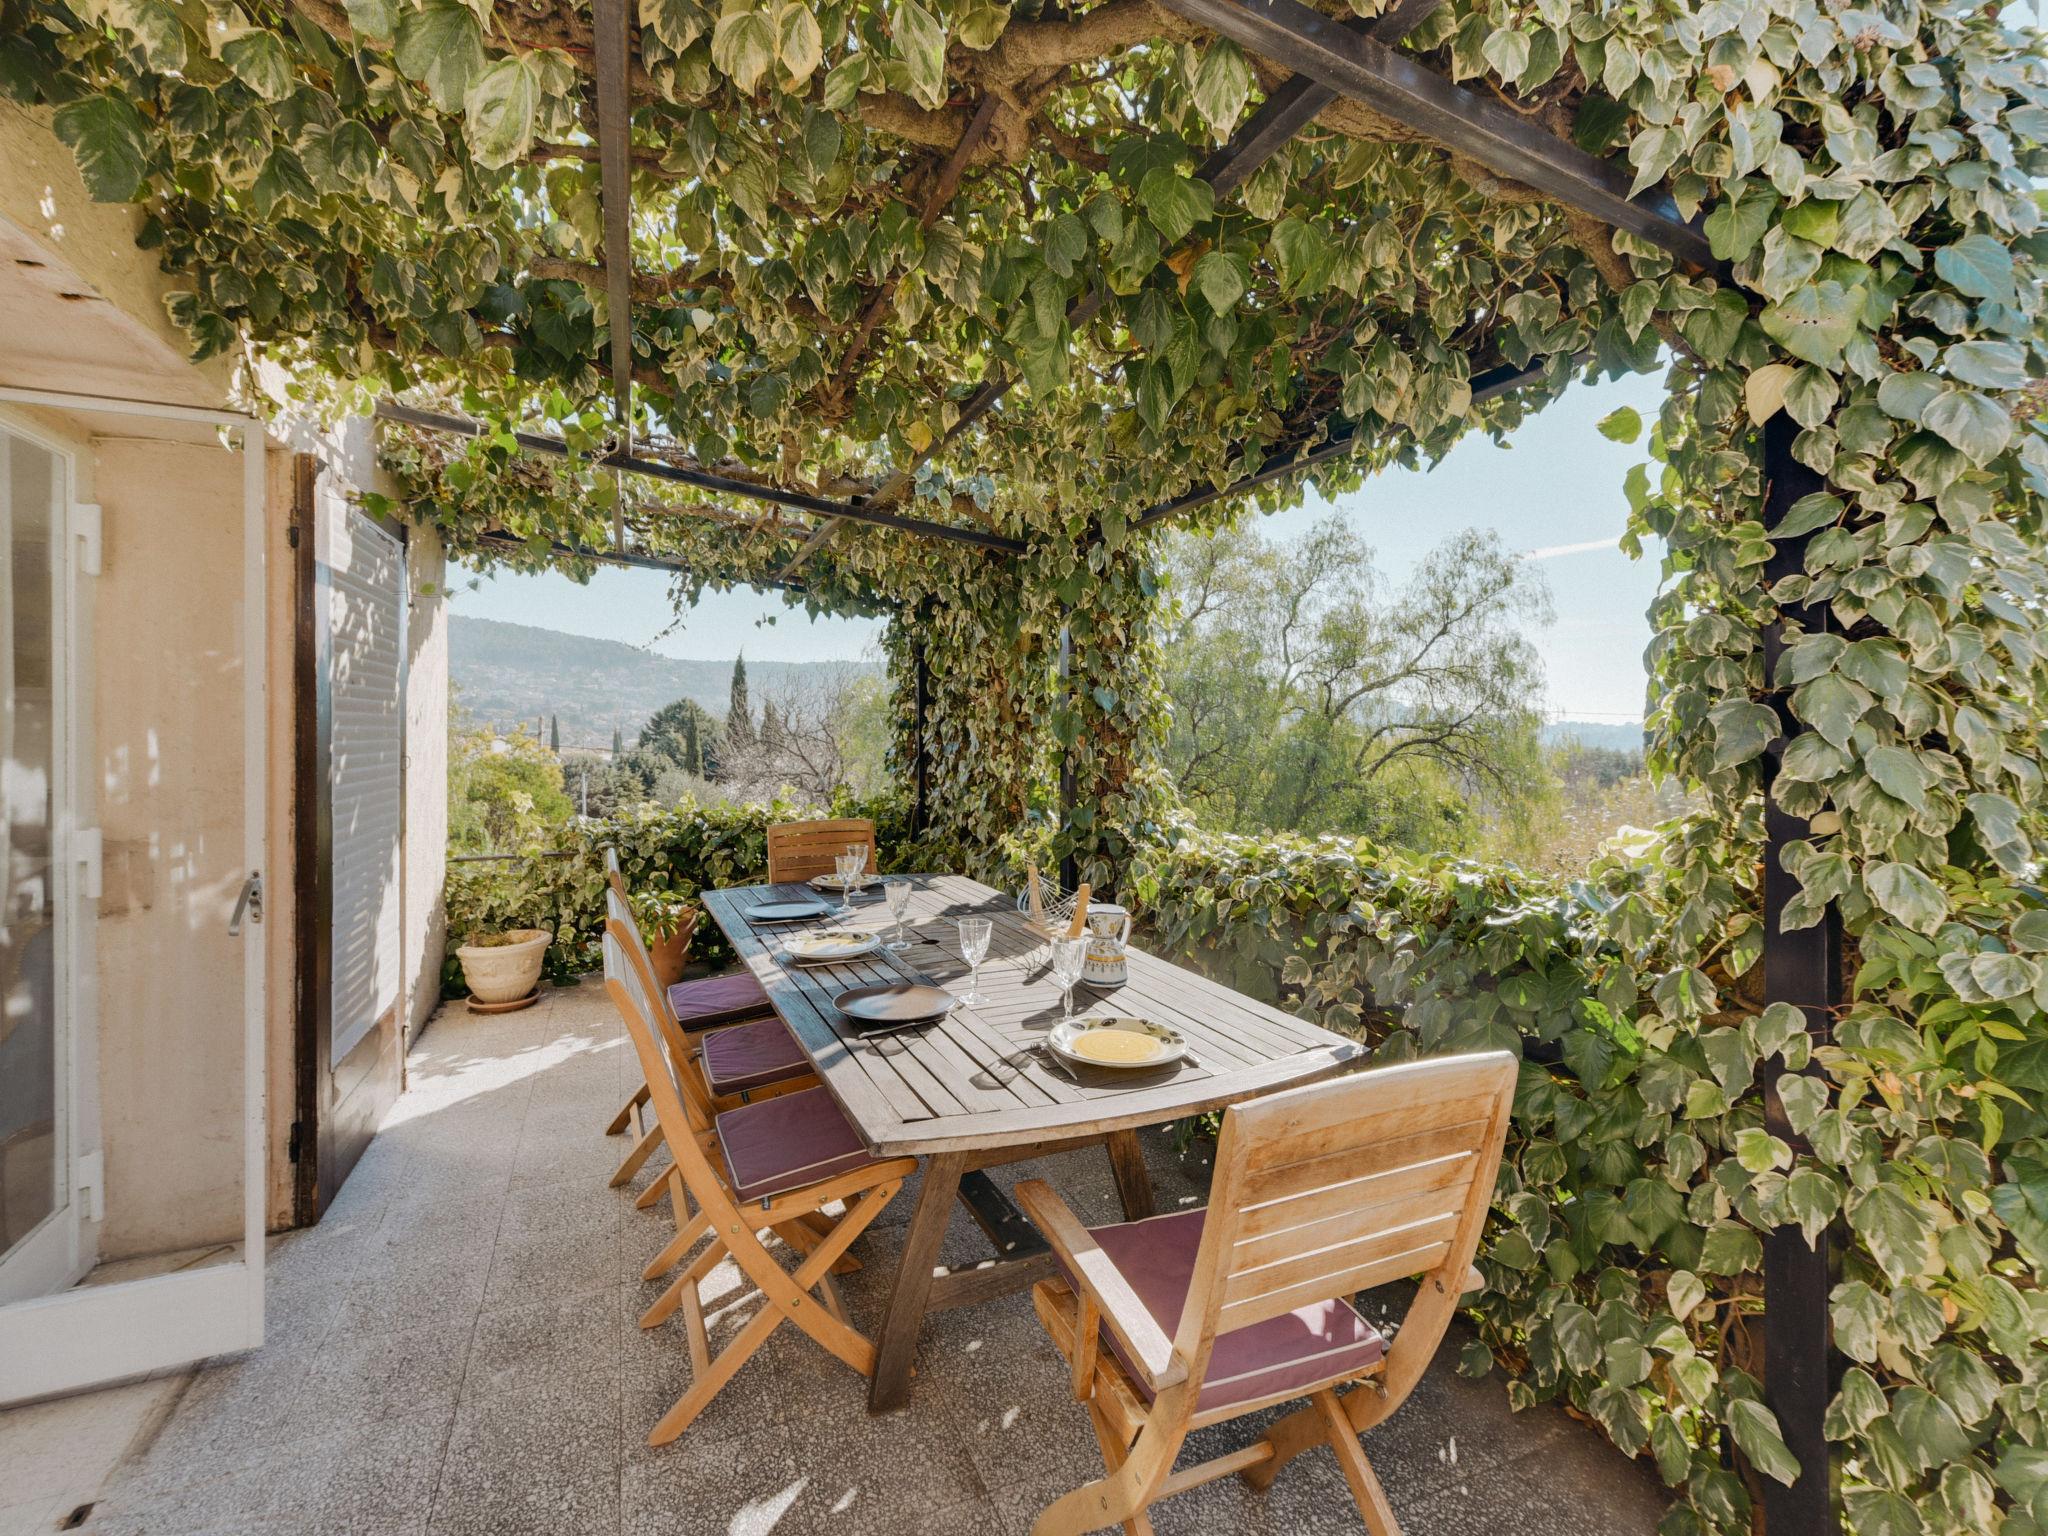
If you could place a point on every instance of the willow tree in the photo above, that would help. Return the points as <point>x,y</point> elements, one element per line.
<point>854,224</point>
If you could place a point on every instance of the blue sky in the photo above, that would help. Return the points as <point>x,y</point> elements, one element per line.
<point>1555,491</point>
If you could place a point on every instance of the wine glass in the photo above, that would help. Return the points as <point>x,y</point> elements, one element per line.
<point>1069,959</point>
<point>974,937</point>
<point>858,852</point>
<point>847,869</point>
<point>897,889</point>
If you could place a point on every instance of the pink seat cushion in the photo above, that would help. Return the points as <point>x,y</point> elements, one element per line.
<point>787,1142</point>
<point>1281,1357</point>
<point>752,1056</point>
<point>717,1000</point>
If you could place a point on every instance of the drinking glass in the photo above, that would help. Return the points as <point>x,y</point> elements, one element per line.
<point>974,937</point>
<point>897,890</point>
<point>1069,959</point>
<point>847,870</point>
<point>858,852</point>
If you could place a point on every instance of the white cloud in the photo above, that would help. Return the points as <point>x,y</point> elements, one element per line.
<point>1553,551</point>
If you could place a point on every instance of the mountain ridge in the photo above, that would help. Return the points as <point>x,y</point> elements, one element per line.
<point>507,674</point>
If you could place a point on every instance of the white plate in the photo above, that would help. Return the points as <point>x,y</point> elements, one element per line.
<point>832,948</point>
<point>1170,1043</point>
<point>831,882</point>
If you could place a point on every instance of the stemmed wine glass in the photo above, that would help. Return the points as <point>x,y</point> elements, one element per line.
<point>847,868</point>
<point>897,889</point>
<point>1069,959</point>
<point>974,937</point>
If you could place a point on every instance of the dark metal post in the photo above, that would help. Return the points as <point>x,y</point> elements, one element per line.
<point>1070,867</point>
<point>1803,968</point>
<point>921,750</point>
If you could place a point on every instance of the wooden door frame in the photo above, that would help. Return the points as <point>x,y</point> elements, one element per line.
<point>321,1160</point>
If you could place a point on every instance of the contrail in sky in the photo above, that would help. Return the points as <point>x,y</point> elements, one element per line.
<point>1551,552</point>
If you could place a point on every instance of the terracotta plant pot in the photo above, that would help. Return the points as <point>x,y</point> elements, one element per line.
<point>506,971</point>
<point>670,955</point>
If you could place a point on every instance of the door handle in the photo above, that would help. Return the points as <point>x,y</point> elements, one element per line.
<point>249,903</point>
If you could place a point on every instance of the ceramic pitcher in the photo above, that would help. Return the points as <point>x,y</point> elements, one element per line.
<point>1109,932</point>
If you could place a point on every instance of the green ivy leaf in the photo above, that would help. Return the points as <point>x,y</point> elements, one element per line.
<point>1986,364</point>
<point>259,61</point>
<point>1755,1429</point>
<point>1814,322</point>
<point>1897,1228</point>
<point>1978,266</point>
<point>921,43</point>
<point>111,142</point>
<point>1174,203</point>
<point>1908,895</point>
<point>1220,281</point>
<point>743,45</point>
<point>500,110</point>
<point>1624,425</point>
<point>1220,83</point>
<point>1969,422</point>
<point>441,46</point>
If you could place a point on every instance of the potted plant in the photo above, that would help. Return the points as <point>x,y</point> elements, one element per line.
<point>504,967</point>
<point>667,922</point>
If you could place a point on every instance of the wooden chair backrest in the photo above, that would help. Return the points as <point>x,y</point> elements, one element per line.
<point>800,850</point>
<point>668,1092</point>
<point>617,882</point>
<point>1323,1191</point>
<point>627,962</point>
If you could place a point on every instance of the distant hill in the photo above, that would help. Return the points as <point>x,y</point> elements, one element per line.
<point>508,673</point>
<point>1591,733</point>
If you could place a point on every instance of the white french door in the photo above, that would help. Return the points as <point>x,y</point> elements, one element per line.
<point>132,1131</point>
<point>46,1236</point>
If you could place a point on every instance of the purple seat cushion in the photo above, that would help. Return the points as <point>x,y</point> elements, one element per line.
<point>752,1056</point>
<point>787,1142</point>
<point>1282,1356</point>
<point>717,1000</point>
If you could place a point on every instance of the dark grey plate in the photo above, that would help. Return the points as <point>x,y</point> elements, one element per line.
<point>785,911</point>
<point>901,1002</point>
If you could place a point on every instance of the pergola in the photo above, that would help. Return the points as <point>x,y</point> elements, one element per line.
<point>976,300</point>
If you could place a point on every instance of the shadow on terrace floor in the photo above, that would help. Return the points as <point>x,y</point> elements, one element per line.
<point>455,1350</point>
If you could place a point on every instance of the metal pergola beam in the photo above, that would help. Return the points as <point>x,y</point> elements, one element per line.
<point>615,173</point>
<point>1282,462</point>
<point>704,480</point>
<point>1395,86</point>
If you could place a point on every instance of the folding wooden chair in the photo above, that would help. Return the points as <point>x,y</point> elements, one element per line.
<point>733,1063</point>
<point>769,1166</point>
<point>1319,1192</point>
<point>799,850</point>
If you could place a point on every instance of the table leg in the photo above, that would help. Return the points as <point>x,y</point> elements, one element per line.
<point>1133,1179</point>
<point>896,1346</point>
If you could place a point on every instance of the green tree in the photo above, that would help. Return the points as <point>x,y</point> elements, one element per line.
<point>1309,694</point>
<point>504,792</point>
<point>683,735</point>
<point>739,713</point>
<point>555,734</point>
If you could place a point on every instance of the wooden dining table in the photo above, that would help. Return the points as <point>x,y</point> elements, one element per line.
<point>979,1088</point>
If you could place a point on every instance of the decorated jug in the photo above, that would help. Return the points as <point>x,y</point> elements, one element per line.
<point>1109,935</point>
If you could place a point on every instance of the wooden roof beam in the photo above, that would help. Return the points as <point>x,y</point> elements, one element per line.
<point>1394,85</point>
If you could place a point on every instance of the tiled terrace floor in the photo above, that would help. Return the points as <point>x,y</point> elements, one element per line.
<point>454,1351</point>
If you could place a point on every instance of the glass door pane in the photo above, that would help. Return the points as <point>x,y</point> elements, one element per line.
<point>35,1254</point>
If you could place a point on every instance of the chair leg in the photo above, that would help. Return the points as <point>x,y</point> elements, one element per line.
<point>1114,1453</point>
<point>624,1117</point>
<point>1358,1472</point>
<point>651,1195</point>
<point>649,1143</point>
<point>683,1285</point>
<point>707,1382</point>
<point>672,1252</point>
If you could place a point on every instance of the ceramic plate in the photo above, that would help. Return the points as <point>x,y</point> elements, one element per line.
<point>830,948</point>
<point>785,911</point>
<point>831,882</point>
<point>1117,1043</point>
<point>893,1006</point>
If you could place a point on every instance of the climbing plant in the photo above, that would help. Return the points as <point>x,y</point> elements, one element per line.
<point>853,217</point>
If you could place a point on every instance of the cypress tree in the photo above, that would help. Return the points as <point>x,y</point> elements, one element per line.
<point>693,747</point>
<point>555,735</point>
<point>739,709</point>
<point>618,744</point>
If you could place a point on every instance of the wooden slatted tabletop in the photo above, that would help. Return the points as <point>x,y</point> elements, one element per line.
<point>981,1078</point>
<point>978,1087</point>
